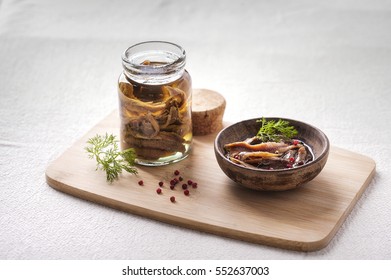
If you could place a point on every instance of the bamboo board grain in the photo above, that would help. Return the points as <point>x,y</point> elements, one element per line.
<point>305,219</point>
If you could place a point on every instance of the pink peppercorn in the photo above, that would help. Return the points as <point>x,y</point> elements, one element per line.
<point>161,183</point>
<point>176,172</point>
<point>184,186</point>
<point>141,182</point>
<point>194,185</point>
<point>186,192</point>
<point>172,198</point>
<point>159,190</point>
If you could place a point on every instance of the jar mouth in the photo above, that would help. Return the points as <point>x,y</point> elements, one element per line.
<point>154,60</point>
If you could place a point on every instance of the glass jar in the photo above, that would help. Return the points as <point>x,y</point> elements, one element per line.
<point>155,103</point>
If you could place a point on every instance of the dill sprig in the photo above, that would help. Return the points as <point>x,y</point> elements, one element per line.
<point>275,131</point>
<point>104,148</point>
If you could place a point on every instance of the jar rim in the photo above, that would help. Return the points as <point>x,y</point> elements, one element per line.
<point>178,55</point>
<point>167,62</point>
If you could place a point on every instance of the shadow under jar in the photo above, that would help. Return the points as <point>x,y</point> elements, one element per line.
<point>155,103</point>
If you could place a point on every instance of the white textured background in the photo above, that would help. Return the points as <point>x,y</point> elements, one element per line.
<point>323,62</point>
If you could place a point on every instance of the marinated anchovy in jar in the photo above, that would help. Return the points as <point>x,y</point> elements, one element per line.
<point>155,103</point>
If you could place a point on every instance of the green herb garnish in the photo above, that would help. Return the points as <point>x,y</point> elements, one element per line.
<point>109,157</point>
<point>275,131</point>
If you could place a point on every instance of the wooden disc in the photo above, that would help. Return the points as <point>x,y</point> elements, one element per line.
<point>207,111</point>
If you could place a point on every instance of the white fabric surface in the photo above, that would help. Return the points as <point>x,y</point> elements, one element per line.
<point>323,62</point>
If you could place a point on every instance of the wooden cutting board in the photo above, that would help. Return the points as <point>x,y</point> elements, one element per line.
<point>305,219</point>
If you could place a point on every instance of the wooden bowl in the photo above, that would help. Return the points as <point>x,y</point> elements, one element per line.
<point>272,180</point>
